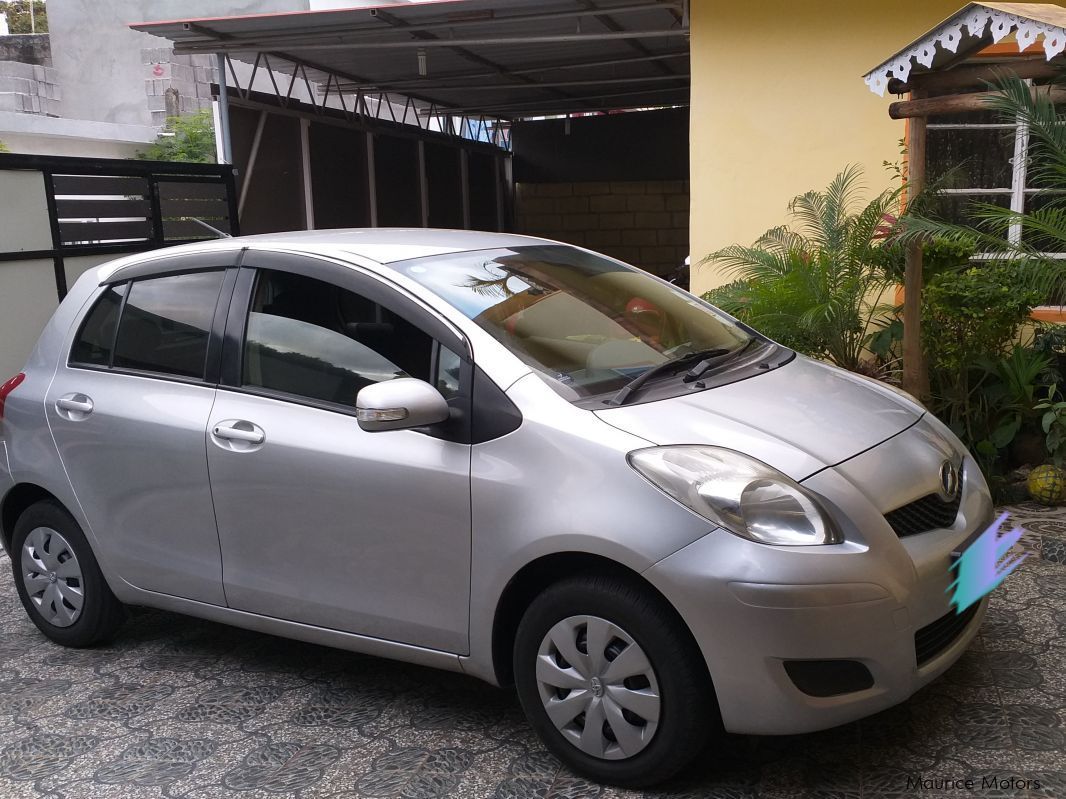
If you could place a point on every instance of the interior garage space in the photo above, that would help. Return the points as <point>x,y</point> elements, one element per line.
<point>566,119</point>
<point>300,169</point>
<point>616,183</point>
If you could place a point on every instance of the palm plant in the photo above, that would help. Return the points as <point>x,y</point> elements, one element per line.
<point>1011,393</point>
<point>816,286</point>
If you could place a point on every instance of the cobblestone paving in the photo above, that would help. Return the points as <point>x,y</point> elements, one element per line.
<point>177,707</point>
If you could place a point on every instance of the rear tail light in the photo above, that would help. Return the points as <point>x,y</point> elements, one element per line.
<point>7,388</point>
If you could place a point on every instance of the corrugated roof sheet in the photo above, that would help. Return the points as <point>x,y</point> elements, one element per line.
<point>502,58</point>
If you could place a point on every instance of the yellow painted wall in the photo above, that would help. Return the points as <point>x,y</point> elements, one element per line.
<point>779,106</point>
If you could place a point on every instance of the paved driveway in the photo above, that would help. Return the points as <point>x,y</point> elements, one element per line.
<point>182,708</point>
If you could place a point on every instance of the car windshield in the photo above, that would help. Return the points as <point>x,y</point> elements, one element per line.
<point>586,324</point>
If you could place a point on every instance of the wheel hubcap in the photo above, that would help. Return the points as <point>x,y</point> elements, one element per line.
<point>598,687</point>
<point>52,576</point>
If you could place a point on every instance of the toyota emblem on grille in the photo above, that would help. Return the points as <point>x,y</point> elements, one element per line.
<point>949,481</point>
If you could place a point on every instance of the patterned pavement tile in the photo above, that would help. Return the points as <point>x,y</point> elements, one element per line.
<point>178,708</point>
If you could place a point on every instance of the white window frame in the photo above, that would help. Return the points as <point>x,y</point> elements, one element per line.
<point>1019,171</point>
<point>1018,191</point>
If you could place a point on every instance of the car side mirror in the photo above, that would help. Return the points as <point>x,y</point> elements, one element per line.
<point>400,404</point>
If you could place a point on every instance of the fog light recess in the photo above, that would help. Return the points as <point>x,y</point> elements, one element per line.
<point>824,678</point>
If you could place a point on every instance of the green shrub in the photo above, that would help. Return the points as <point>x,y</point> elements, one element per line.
<point>189,139</point>
<point>971,320</point>
<point>973,313</point>
<point>18,16</point>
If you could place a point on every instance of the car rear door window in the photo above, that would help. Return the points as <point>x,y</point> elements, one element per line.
<point>166,324</point>
<point>312,339</point>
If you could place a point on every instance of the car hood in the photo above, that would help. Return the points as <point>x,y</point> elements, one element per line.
<point>799,418</point>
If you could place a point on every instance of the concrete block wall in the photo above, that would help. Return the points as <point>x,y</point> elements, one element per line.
<point>27,48</point>
<point>177,85</point>
<point>645,223</point>
<point>28,89</point>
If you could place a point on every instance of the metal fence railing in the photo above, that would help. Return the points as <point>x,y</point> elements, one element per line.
<point>60,216</point>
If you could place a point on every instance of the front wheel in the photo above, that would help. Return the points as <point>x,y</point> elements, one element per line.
<point>612,682</point>
<point>58,579</point>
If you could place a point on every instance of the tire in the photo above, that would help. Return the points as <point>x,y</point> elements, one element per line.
<point>619,614</point>
<point>50,555</point>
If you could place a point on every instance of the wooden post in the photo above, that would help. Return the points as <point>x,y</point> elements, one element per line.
<point>915,377</point>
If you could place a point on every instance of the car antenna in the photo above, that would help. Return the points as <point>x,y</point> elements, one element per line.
<point>202,223</point>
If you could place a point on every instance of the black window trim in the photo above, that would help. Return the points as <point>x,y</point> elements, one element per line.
<point>168,264</point>
<point>118,322</point>
<point>226,262</point>
<point>388,295</point>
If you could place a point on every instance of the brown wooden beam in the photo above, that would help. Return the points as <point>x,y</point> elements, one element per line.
<point>960,103</point>
<point>915,377</point>
<point>977,76</point>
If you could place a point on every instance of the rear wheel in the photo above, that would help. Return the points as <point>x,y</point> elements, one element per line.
<point>58,579</point>
<point>612,681</point>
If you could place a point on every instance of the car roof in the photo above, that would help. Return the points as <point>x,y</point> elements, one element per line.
<point>382,245</point>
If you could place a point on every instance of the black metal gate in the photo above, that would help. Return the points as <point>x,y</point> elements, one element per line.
<point>100,206</point>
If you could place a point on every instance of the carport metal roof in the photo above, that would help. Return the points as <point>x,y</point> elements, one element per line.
<point>490,58</point>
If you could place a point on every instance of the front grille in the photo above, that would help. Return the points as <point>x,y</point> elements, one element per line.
<point>925,514</point>
<point>934,638</point>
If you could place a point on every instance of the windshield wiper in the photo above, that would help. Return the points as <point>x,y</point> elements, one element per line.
<point>714,358</point>
<point>667,366</point>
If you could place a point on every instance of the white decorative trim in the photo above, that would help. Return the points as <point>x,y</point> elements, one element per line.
<point>998,23</point>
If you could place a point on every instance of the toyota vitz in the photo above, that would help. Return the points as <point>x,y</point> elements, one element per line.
<point>497,455</point>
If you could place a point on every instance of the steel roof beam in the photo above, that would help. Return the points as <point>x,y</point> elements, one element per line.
<point>414,83</point>
<point>570,111</point>
<point>354,87</point>
<point>315,43</point>
<point>490,108</point>
<point>360,109</point>
<point>347,76</point>
<point>603,16</point>
<point>463,52</point>
<point>279,39</point>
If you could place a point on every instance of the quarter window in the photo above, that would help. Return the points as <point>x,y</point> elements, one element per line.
<point>166,324</point>
<point>316,340</point>
<point>449,368</point>
<point>97,335</point>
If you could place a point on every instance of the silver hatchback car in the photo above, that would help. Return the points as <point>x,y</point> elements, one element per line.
<point>497,455</point>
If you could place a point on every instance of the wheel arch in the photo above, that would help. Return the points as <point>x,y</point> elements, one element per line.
<point>539,574</point>
<point>15,503</point>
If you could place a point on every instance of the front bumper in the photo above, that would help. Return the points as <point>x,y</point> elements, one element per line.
<point>753,608</point>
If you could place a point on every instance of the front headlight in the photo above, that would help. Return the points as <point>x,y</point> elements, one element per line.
<point>743,495</point>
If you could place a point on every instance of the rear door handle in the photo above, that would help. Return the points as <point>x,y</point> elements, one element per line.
<point>246,432</point>
<point>74,405</point>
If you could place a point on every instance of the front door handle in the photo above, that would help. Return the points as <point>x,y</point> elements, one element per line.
<point>239,430</point>
<point>74,406</point>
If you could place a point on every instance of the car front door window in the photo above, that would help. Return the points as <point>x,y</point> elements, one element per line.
<point>314,340</point>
